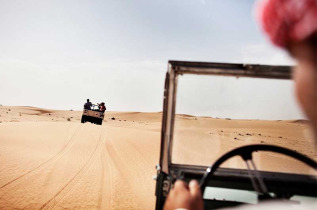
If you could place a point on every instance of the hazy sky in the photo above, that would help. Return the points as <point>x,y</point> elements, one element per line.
<point>56,54</point>
<point>242,98</point>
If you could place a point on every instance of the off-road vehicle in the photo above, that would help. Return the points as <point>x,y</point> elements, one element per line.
<point>94,115</point>
<point>232,184</point>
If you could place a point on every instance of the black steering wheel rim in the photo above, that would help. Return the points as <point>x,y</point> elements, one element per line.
<point>246,153</point>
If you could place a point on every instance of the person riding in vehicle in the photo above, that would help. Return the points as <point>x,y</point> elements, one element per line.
<point>88,105</point>
<point>102,107</point>
<point>292,25</point>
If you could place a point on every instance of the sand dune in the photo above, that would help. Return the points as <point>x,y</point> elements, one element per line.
<point>206,139</point>
<point>48,159</point>
<point>50,162</point>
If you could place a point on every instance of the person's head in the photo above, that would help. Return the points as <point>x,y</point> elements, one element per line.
<point>87,100</point>
<point>292,24</point>
<point>305,76</point>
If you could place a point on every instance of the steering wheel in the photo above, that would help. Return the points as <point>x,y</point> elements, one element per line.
<point>246,153</point>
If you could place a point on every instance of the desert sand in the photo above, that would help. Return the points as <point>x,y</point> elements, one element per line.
<point>48,159</point>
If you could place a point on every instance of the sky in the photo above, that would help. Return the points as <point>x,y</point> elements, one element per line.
<point>236,98</point>
<point>57,53</point>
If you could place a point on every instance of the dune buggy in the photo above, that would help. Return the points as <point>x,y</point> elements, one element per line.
<point>94,115</point>
<point>228,186</point>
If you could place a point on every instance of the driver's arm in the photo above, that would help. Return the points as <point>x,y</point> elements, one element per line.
<point>184,196</point>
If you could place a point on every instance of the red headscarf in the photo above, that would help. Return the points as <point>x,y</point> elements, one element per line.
<point>288,20</point>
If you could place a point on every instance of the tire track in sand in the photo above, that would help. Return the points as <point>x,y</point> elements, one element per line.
<point>131,175</point>
<point>58,155</point>
<point>69,186</point>
<point>105,198</point>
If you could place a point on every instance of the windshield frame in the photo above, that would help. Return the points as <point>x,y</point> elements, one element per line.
<point>176,68</point>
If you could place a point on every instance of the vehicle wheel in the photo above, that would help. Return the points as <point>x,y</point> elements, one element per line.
<point>83,120</point>
<point>100,122</point>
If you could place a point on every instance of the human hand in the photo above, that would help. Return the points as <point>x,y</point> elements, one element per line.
<point>184,196</point>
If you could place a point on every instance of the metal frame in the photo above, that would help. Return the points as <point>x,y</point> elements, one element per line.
<point>176,68</point>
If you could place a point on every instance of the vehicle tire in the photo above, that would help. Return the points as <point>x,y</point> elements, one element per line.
<point>83,120</point>
<point>100,122</point>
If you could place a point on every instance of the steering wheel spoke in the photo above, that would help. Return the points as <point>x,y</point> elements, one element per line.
<point>256,178</point>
